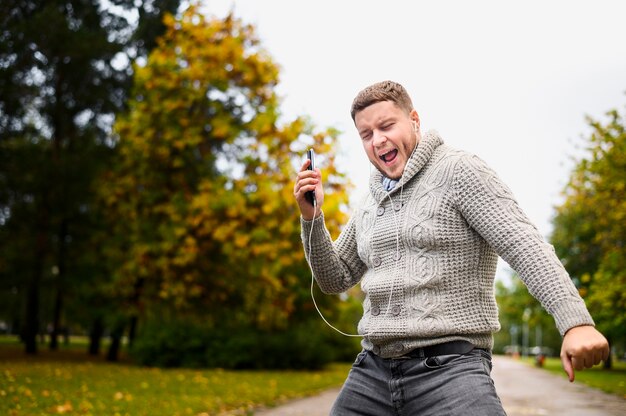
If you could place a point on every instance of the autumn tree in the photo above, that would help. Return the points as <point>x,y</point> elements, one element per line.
<point>64,73</point>
<point>590,226</point>
<point>200,199</point>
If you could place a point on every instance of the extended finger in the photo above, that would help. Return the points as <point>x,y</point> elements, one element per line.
<point>567,367</point>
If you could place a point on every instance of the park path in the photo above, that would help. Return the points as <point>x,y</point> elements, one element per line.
<point>524,391</point>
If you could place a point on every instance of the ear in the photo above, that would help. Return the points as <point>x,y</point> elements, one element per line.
<point>415,117</point>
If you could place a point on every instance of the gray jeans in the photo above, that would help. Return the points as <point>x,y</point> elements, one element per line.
<point>442,385</point>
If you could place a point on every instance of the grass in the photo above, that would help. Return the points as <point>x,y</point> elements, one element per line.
<point>67,382</point>
<point>611,381</point>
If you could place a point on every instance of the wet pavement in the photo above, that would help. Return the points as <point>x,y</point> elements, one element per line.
<point>524,390</point>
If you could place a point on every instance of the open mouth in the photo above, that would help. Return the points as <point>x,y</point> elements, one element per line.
<point>389,156</point>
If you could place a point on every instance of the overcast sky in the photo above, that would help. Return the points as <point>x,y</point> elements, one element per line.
<point>509,81</point>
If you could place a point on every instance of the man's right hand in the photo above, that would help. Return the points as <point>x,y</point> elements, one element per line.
<point>309,180</point>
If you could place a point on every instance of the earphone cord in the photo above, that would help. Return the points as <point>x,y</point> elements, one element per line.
<point>313,280</point>
<point>397,259</point>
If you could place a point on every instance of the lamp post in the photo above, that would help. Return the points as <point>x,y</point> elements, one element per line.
<point>538,336</point>
<point>525,319</point>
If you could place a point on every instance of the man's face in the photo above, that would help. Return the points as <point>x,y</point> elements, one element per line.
<point>389,136</point>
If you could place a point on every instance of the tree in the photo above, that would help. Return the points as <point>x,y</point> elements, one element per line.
<point>61,88</point>
<point>200,199</point>
<point>522,318</point>
<point>590,226</point>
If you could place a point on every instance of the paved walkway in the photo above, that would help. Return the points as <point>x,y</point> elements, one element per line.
<point>524,391</point>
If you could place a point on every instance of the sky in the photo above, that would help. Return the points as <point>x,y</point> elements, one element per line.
<point>509,81</point>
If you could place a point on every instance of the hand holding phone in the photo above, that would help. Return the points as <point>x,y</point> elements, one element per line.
<point>310,196</point>
<point>308,189</point>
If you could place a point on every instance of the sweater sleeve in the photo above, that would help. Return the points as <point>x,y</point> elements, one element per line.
<point>490,209</point>
<point>335,265</point>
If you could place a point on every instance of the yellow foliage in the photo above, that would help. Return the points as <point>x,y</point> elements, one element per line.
<point>585,278</point>
<point>242,240</point>
<point>202,192</point>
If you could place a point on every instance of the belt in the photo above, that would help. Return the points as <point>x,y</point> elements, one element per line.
<point>452,347</point>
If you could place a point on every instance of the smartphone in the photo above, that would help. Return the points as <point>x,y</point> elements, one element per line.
<point>310,196</point>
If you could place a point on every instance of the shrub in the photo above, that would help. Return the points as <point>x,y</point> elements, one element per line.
<point>182,344</point>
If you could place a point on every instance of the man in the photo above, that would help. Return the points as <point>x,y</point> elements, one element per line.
<point>424,245</point>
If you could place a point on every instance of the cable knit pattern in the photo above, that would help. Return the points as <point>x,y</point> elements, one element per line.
<point>426,255</point>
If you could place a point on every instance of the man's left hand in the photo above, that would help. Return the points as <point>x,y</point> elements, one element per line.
<point>583,347</point>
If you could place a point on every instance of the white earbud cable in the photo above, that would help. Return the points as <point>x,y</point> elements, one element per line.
<point>397,256</point>
<point>397,259</point>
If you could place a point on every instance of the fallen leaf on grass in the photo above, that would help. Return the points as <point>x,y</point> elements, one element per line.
<point>64,408</point>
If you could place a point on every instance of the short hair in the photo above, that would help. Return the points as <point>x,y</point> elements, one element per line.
<point>382,91</point>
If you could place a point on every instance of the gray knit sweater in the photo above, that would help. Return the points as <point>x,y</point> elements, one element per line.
<point>426,254</point>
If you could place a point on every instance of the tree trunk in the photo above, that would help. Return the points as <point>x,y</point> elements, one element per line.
<point>136,302</point>
<point>31,318</point>
<point>132,329</point>
<point>58,301</point>
<point>95,335</point>
<point>54,334</point>
<point>31,312</point>
<point>116,342</point>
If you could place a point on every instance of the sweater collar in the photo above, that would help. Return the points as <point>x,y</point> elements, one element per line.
<point>422,154</point>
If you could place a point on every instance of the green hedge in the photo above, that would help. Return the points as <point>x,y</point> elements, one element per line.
<point>181,344</point>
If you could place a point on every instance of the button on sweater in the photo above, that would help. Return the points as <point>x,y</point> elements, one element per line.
<point>426,252</point>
